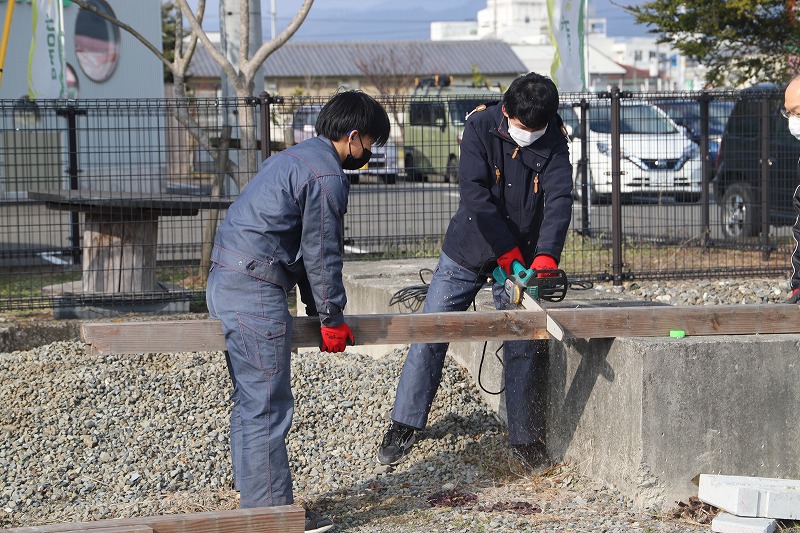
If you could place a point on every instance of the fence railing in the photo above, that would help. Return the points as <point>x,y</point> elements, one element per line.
<point>114,203</point>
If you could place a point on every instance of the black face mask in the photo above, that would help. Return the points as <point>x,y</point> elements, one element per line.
<point>352,163</point>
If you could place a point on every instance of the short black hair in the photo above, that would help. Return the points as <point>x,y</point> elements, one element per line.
<point>353,110</point>
<point>532,99</point>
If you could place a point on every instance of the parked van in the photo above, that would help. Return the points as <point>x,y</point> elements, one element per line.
<point>737,181</point>
<point>383,163</point>
<point>657,155</point>
<point>433,126</point>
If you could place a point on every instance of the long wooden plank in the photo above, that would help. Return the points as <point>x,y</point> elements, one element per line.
<point>584,323</point>
<point>206,335</point>
<point>279,519</point>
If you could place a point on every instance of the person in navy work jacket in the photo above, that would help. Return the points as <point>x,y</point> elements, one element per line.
<point>515,180</point>
<point>286,227</point>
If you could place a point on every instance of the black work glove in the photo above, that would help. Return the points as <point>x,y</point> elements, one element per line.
<point>794,298</point>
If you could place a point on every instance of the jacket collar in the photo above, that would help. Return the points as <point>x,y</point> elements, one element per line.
<point>543,146</point>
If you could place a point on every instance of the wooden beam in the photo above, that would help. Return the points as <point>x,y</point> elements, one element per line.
<point>580,322</point>
<point>279,519</point>
<point>206,335</point>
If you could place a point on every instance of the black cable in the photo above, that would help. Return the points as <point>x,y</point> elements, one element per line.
<point>412,297</point>
<point>480,369</point>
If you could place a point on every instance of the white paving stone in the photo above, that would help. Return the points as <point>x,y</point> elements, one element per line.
<point>728,523</point>
<point>752,496</point>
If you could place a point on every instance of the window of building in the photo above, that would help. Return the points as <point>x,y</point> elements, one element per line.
<point>96,42</point>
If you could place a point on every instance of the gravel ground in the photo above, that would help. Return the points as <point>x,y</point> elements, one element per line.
<point>88,438</point>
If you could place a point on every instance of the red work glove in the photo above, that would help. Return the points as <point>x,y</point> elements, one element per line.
<point>544,262</point>
<point>795,297</point>
<point>334,338</point>
<point>509,257</point>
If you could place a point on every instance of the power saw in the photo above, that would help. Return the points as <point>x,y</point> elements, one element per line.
<point>525,287</point>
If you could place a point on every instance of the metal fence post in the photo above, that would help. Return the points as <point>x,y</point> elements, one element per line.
<point>766,162</point>
<point>705,220</point>
<point>616,194</point>
<point>583,168</point>
<point>71,112</point>
<point>266,118</point>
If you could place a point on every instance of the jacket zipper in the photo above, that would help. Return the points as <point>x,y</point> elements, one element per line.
<point>536,183</point>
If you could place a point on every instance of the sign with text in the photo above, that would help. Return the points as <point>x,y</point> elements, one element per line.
<point>46,70</point>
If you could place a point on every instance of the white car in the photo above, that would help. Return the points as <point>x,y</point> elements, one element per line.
<point>657,156</point>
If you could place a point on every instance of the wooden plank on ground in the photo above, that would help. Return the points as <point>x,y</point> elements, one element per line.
<point>120,529</point>
<point>583,323</point>
<point>279,519</point>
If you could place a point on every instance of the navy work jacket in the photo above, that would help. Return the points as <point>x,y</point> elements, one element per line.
<point>510,196</point>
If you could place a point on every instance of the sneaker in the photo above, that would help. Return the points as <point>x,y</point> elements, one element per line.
<point>533,456</point>
<point>396,443</point>
<point>317,523</point>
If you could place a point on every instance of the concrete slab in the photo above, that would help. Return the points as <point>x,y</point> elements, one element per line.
<point>728,523</point>
<point>752,496</point>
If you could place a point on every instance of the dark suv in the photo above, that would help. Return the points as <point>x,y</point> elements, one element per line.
<point>737,179</point>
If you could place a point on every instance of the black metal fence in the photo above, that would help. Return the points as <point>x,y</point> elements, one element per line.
<point>113,204</point>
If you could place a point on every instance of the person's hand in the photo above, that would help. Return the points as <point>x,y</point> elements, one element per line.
<point>334,338</point>
<point>544,262</point>
<point>509,257</point>
<point>795,297</point>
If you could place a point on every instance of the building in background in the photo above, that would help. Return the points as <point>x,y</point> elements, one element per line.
<point>103,61</point>
<point>632,63</point>
<point>376,67</point>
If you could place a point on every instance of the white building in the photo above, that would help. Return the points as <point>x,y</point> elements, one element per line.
<point>632,63</point>
<point>103,61</point>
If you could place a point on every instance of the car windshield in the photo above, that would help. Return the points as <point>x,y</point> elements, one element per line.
<point>688,114</point>
<point>459,108</point>
<point>635,119</point>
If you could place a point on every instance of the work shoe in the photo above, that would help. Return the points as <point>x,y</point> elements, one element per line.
<point>533,456</point>
<point>396,443</point>
<point>317,523</point>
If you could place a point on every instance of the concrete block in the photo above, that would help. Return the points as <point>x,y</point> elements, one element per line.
<point>752,496</point>
<point>647,415</point>
<point>728,523</point>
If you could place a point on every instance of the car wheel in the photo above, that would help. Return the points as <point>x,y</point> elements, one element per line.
<point>354,178</point>
<point>389,179</point>
<point>451,174</point>
<point>577,190</point>
<point>412,172</point>
<point>739,214</point>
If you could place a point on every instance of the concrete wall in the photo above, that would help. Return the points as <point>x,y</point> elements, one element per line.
<point>650,414</point>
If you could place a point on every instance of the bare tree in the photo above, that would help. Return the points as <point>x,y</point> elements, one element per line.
<point>391,70</point>
<point>241,77</point>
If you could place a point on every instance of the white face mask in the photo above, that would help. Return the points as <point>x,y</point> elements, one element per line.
<point>524,138</point>
<point>794,126</point>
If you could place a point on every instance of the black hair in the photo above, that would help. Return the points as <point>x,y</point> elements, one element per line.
<point>353,110</point>
<point>532,99</point>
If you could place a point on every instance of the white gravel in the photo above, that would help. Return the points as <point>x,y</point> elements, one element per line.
<point>87,438</point>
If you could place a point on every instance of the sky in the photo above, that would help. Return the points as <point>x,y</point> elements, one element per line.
<point>354,20</point>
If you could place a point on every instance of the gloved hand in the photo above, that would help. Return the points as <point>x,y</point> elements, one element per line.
<point>509,257</point>
<point>334,338</point>
<point>794,298</point>
<point>544,262</point>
